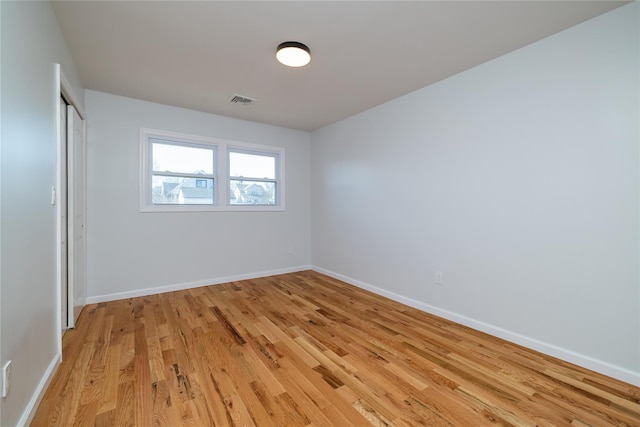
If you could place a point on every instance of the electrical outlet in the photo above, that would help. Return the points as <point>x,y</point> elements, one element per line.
<point>6,378</point>
<point>290,250</point>
<point>439,278</point>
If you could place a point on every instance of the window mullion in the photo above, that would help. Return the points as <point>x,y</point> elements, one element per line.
<point>184,175</point>
<point>223,173</point>
<point>245,178</point>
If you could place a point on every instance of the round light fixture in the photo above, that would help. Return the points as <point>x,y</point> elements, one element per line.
<point>293,54</point>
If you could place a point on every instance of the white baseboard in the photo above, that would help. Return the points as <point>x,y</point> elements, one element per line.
<point>599,366</point>
<point>189,285</point>
<point>34,402</point>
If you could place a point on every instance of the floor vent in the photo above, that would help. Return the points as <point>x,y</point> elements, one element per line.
<point>241,99</point>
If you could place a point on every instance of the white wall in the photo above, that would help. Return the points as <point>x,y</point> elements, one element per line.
<point>519,179</point>
<point>133,253</point>
<point>31,44</point>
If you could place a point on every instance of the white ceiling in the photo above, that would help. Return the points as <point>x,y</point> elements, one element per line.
<point>197,55</point>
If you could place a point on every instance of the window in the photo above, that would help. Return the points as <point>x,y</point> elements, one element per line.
<point>190,173</point>
<point>252,178</point>
<point>176,171</point>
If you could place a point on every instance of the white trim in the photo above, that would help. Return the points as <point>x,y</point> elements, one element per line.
<point>58,185</point>
<point>34,402</point>
<point>210,208</point>
<point>582,360</point>
<point>67,90</point>
<point>221,177</point>
<point>191,285</point>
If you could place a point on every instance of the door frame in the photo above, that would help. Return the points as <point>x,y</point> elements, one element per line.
<point>61,88</point>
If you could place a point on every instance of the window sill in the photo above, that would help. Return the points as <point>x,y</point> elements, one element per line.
<point>208,208</point>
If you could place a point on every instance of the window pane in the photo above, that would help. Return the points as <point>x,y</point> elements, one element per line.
<point>252,193</point>
<point>252,165</point>
<point>176,158</point>
<point>174,190</point>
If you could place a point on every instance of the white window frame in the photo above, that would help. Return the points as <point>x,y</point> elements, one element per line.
<point>265,153</point>
<point>221,174</point>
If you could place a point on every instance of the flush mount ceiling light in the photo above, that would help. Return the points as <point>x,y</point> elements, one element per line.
<point>293,54</point>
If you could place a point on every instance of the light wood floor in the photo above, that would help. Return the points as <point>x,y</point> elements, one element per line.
<point>303,349</point>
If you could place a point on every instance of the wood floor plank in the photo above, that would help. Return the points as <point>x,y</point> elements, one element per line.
<point>303,349</point>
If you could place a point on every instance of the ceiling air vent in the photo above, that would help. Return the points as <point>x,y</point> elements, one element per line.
<point>241,99</point>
